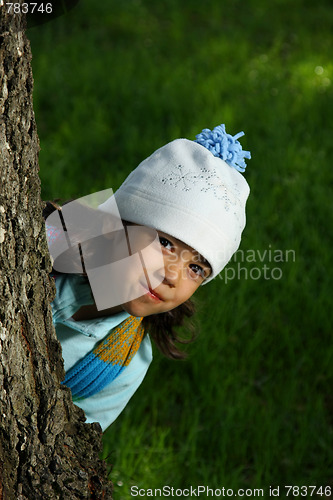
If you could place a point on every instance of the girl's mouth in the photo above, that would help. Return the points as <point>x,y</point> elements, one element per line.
<point>154,295</point>
<point>151,293</point>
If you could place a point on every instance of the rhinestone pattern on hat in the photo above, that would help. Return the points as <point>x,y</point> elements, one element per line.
<point>180,177</point>
<point>208,179</point>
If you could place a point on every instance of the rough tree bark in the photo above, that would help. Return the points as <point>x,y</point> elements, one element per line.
<point>46,449</point>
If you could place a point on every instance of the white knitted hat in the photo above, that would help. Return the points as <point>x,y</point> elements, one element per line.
<point>185,190</point>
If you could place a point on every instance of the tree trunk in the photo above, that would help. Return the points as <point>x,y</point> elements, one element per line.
<point>46,449</point>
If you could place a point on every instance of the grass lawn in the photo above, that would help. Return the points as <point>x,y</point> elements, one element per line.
<point>252,406</point>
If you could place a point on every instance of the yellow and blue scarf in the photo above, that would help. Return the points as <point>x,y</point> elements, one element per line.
<point>102,365</point>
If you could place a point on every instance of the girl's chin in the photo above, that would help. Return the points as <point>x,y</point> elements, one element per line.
<point>144,307</point>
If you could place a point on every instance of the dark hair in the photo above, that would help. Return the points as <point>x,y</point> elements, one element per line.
<point>162,327</point>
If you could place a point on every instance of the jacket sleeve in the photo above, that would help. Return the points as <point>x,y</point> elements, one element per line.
<point>105,406</point>
<point>73,292</point>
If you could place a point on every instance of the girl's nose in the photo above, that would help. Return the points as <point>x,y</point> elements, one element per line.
<point>173,272</point>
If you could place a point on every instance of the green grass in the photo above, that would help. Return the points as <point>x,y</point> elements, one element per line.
<point>252,406</point>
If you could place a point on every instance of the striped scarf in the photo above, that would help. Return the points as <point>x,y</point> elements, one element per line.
<point>102,365</point>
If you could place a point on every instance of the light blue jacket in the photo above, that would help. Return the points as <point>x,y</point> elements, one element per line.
<point>78,338</point>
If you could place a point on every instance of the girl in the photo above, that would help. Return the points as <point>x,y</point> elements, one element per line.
<point>193,195</point>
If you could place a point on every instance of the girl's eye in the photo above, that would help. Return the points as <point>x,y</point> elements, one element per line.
<point>166,243</point>
<point>197,270</point>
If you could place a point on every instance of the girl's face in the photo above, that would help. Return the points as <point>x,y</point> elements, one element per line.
<point>184,271</point>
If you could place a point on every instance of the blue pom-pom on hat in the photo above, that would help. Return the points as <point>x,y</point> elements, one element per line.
<point>224,146</point>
